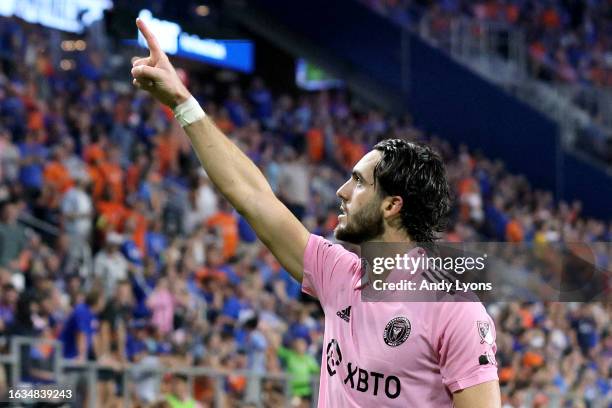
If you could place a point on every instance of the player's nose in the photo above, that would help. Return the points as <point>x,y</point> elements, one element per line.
<point>344,191</point>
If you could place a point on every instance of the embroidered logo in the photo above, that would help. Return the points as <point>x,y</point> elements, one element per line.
<point>344,314</point>
<point>397,331</point>
<point>484,331</point>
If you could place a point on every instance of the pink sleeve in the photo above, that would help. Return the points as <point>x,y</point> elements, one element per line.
<point>326,266</point>
<point>465,338</point>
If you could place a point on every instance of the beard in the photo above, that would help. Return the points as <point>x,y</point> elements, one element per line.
<point>362,226</point>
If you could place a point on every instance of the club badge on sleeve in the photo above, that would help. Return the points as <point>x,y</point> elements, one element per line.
<point>484,331</point>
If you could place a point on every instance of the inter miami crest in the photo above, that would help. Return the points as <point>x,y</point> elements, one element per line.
<point>397,331</point>
<point>484,331</point>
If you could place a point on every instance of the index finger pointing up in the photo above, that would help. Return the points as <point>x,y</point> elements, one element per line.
<point>150,38</point>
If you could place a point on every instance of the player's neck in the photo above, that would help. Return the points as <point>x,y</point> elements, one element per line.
<point>393,235</point>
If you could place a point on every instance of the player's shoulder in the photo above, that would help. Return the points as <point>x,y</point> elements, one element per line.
<point>457,314</point>
<point>317,245</point>
<point>451,310</point>
<point>328,267</point>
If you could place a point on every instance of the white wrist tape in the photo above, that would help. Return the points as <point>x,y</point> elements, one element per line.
<point>188,112</point>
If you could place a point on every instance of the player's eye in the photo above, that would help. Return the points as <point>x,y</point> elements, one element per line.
<point>357,179</point>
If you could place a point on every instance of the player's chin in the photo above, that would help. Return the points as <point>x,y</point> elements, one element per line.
<point>343,224</point>
<point>341,231</point>
<point>345,234</point>
<point>338,230</point>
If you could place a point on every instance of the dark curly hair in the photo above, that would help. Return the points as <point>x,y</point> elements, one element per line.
<point>416,173</point>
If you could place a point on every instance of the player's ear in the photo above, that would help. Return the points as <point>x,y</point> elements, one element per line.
<point>392,205</point>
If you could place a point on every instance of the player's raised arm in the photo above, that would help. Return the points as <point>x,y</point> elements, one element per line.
<point>232,172</point>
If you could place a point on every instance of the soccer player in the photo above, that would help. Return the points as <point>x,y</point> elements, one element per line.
<point>385,354</point>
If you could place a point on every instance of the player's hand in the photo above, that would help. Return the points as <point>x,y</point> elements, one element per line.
<point>156,74</point>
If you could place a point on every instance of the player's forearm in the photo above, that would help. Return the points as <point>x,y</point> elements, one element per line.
<point>230,170</point>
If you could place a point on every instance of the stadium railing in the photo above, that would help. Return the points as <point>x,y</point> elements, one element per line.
<point>89,373</point>
<point>67,373</point>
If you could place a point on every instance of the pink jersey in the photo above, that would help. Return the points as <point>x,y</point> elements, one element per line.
<point>392,354</point>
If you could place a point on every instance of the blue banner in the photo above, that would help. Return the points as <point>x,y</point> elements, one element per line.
<point>234,54</point>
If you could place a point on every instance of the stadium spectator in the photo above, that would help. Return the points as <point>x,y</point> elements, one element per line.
<point>77,211</point>
<point>32,154</point>
<point>12,235</point>
<point>302,367</point>
<point>161,304</point>
<point>178,396</point>
<point>145,380</point>
<point>225,224</point>
<point>293,183</point>
<point>80,332</point>
<point>255,345</point>
<point>110,266</point>
<point>9,157</point>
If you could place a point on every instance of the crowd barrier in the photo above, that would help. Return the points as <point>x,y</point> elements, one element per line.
<point>71,375</point>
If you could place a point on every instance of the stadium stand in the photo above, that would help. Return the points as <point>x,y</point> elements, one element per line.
<point>562,44</point>
<point>567,39</point>
<point>132,232</point>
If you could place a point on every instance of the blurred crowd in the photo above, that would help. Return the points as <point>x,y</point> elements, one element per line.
<point>568,40</point>
<point>139,261</point>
